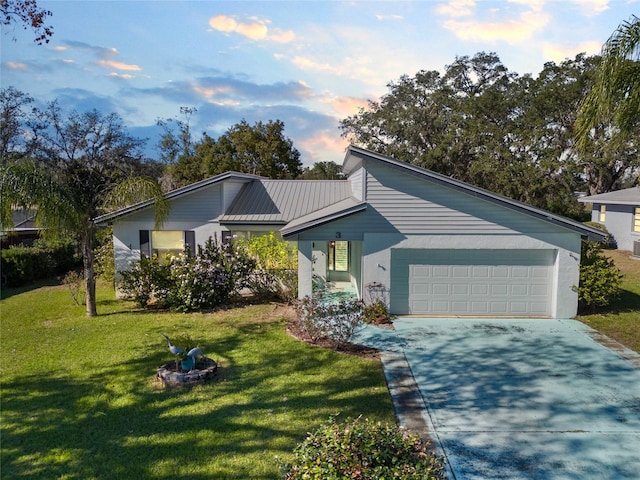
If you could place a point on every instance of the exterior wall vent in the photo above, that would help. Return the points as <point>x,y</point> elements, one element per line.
<point>636,248</point>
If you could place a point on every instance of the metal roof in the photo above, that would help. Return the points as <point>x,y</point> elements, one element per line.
<point>280,201</point>
<point>328,214</point>
<point>178,192</point>
<point>627,196</point>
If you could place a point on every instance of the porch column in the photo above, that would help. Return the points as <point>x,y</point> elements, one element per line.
<point>305,268</point>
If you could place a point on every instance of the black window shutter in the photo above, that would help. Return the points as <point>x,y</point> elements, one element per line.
<point>145,250</point>
<point>190,240</point>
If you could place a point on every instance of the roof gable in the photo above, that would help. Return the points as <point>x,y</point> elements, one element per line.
<point>627,196</point>
<point>177,193</point>
<point>356,156</point>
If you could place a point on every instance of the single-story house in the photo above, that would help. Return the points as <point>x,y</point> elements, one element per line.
<point>438,246</point>
<point>24,230</point>
<point>619,211</point>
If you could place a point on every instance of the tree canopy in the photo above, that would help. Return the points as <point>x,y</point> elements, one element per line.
<point>482,124</point>
<point>260,149</point>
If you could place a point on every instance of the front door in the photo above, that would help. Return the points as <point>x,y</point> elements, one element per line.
<point>338,261</point>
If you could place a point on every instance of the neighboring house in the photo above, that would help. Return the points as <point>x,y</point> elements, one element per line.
<point>439,246</point>
<point>619,211</point>
<point>24,230</point>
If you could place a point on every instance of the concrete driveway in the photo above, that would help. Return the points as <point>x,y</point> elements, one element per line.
<point>516,398</point>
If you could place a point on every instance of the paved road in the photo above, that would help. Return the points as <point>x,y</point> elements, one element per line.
<point>519,399</point>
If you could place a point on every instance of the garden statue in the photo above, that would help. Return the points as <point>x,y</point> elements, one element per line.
<point>188,361</point>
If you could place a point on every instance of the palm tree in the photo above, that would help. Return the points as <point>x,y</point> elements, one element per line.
<point>76,169</point>
<point>615,95</point>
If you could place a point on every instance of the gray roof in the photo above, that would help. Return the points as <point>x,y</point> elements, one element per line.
<point>280,201</point>
<point>628,196</point>
<point>342,209</point>
<point>176,193</point>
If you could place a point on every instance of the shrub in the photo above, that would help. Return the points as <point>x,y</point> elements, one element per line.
<point>362,449</point>
<point>210,278</point>
<point>74,281</point>
<point>147,280</point>
<point>104,259</point>
<point>23,265</point>
<point>190,282</point>
<point>276,273</point>
<point>375,313</point>
<point>334,322</point>
<point>600,279</point>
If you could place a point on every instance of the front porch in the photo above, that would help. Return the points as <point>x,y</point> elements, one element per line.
<point>335,292</point>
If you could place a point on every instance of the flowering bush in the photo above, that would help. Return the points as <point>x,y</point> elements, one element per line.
<point>336,322</point>
<point>208,279</point>
<point>191,282</point>
<point>147,280</point>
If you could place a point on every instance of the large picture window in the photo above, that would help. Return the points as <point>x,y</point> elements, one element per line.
<point>167,243</point>
<point>636,219</point>
<point>164,244</point>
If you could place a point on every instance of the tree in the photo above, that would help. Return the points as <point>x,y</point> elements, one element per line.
<point>513,135</point>
<point>12,103</point>
<point>474,123</point>
<point>608,122</point>
<point>615,95</point>
<point>81,165</point>
<point>323,171</point>
<point>27,13</point>
<point>261,149</point>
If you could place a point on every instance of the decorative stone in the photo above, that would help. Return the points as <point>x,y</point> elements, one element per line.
<point>204,370</point>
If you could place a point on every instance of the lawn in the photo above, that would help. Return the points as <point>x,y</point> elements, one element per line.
<point>621,320</point>
<point>79,398</point>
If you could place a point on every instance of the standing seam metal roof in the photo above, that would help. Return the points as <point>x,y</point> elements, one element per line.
<point>280,201</point>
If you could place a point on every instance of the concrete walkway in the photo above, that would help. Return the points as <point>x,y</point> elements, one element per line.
<point>515,398</point>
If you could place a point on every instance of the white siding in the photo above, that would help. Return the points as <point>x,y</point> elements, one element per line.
<point>357,184</point>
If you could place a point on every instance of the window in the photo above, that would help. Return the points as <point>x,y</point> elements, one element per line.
<point>603,213</point>
<point>164,244</point>
<point>339,256</point>
<point>636,219</point>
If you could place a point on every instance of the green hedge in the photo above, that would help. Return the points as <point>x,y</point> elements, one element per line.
<point>23,265</point>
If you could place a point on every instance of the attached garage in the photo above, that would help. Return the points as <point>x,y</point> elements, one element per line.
<point>472,282</point>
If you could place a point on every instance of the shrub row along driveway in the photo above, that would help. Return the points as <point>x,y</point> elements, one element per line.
<point>529,399</point>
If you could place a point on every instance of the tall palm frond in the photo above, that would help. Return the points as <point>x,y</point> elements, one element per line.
<point>138,189</point>
<point>25,184</point>
<point>615,95</point>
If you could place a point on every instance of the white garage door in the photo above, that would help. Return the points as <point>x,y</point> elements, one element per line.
<point>472,282</point>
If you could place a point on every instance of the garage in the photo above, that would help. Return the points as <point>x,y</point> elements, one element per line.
<point>514,283</point>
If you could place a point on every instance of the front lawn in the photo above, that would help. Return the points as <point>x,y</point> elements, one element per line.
<point>621,320</point>
<point>79,399</point>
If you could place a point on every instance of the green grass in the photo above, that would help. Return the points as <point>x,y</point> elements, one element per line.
<point>79,398</point>
<point>621,320</point>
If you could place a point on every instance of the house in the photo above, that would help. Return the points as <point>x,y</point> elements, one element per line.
<point>24,230</point>
<point>619,211</point>
<point>439,246</point>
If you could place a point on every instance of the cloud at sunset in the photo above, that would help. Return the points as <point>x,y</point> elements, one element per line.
<point>254,29</point>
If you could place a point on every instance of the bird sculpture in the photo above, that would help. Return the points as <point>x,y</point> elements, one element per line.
<point>176,350</point>
<point>193,354</point>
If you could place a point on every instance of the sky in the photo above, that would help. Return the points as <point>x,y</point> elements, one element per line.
<point>309,64</point>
